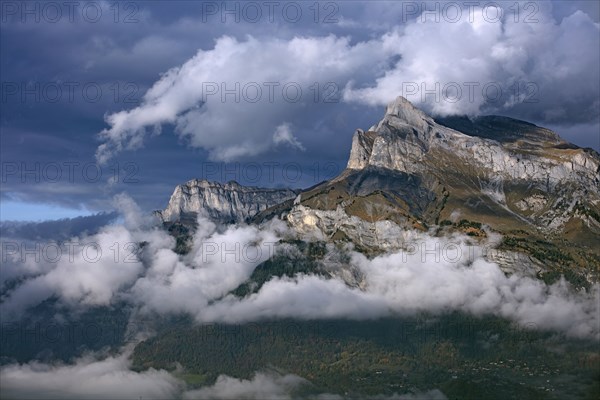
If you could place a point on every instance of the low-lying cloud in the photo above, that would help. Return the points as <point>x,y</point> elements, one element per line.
<point>395,286</point>
<point>92,377</point>
<point>156,280</point>
<point>261,386</point>
<point>87,378</point>
<point>274,386</point>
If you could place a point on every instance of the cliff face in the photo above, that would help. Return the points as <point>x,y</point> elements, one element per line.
<point>408,140</point>
<point>525,170</point>
<point>223,202</point>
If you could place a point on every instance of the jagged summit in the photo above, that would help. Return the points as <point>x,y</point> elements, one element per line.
<point>408,140</point>
<point>224,202</point>
<point>495,127</point>
<point>402,111</point>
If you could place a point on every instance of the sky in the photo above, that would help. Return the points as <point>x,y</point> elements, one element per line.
<point>101,98</point>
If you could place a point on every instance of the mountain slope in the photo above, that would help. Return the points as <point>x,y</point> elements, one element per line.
<point>522,181</point>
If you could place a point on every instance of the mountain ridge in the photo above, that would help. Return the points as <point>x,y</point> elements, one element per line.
<point>227,202</point>
<point>541,194</point>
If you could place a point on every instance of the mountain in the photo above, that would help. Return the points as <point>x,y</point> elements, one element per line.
<point>411,172</point>
<point>522,181</point>
<point>222,202</point>
<point>519,191</point>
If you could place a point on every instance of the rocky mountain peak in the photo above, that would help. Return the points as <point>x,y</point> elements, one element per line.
<point>223,202</point>
<point>519,179</point>
<point>404,111</point>
<point>405,119</point>
<point>408,140</point>
<point>362,146</point>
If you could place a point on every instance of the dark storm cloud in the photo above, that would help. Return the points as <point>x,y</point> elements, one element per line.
<point>123,60</point>
<point>58,229</point>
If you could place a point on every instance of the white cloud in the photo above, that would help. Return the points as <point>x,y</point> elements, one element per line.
<point>267,80</point>
<point>481,289</point>
<point>88,378</point>
<point>87,271</point>
<point>134,218</point>
<point>218,263</point>
<point>283,135</point>
<point>304,297</point>
<point>556,60</point>
<point>261,387</point>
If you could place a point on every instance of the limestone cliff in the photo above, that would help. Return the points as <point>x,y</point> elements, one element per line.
<point>223,202</point>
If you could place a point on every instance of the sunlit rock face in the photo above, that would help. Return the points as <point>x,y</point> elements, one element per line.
<point>497,146</point>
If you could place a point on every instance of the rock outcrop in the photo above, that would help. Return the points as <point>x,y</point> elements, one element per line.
<point>498,147</point>
<point>222,202</point>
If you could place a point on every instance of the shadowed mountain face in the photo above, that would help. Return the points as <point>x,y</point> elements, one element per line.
<point>501,129</point>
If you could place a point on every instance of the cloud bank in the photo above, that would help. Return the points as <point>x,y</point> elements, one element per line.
<point>156,280</point>
<point>394,285</point>
<point>87,378</point>
<point>111,378</point>
<point>235,99</point>
<point>232,99</point>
